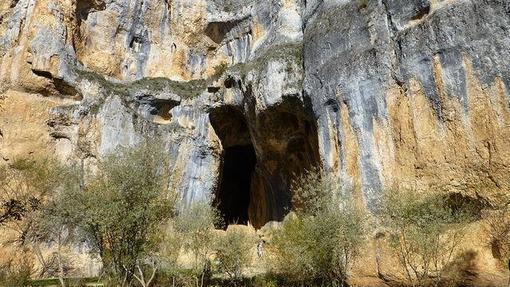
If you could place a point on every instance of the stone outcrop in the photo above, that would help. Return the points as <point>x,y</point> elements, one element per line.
<point>248,94</point>
<point>412,93</point>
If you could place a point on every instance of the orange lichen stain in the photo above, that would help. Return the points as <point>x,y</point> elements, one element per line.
<point>454,121</point>
<point>489,113</point>
<point>426,127</point>
<point>178,67</point>
<point>352,151</point>
<point>23,122</point>
<point>384,147</point>
<point>257,32</point>
<point>462,149</point>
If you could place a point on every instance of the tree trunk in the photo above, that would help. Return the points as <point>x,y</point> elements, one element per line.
<point>40,257</point>
<point>60,264</point>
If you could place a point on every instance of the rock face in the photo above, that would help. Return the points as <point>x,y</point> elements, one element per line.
<point>248,94</point>
<point>412,93</point>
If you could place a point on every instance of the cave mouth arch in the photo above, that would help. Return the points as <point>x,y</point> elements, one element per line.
<point>261,155</point>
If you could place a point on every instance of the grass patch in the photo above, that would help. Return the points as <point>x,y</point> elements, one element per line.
<point>185,90</point>
<point>292,54</point>
<point>289,53</point>
<point>88,281</point>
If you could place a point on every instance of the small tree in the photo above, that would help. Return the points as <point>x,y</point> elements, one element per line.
<point>169,252</point>
<point>498,228</point>
<point>315,192</point>
<point>425,233</point>
<point>24,184</point>
<point>52,224</point>
<point>322,240</point>
<point>233,253</point>
<point>27,187</point>
<point>122,207</point>
<point>196,225</point>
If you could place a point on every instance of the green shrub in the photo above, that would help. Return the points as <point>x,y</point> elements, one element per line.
<point>169,250</point>
<point>321,241</point>
<point>121,209</point>
<point>196,226</point>
<point>362,4</point>
<point>233,253</point>
<point>25,184</point>
<point>313,192</point>
<point>220,70</point>
<point>16,274</point>
<point>425,232</point>
<point>27,187</point>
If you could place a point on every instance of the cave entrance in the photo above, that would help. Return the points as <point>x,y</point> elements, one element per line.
<point>233,196</point>
<point>259,160</point>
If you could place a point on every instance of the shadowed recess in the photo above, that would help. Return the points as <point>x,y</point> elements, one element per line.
<point>234,192</point>
<point>261,155</point>
<point>232,197</point>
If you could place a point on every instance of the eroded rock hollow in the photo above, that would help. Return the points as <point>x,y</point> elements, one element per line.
<point>233,193</point>
<point>260,157</point>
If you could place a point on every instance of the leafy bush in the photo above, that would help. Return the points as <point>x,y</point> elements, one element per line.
<point>322,240</point>
<point>233,253</point>
<point>196,226</point>
<point>120,210</point>
<point>25,184</point>
<point>498,227</point>
<point>219,70</point>
<point>26,189</point>
<point>16,273</point>
<point>425,233</point>
<point>362,4</point>
<point>313,193</point>
<point>168,254</point>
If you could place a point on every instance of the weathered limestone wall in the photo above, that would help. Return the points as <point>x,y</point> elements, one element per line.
<point>409,93</point>
<point>412,93</point>
<point>383,92</point>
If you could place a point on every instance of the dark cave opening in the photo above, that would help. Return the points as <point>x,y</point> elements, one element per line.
<point>233,196</point>
<point>261,154</point>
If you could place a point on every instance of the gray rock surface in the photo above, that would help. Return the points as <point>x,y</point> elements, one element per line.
<point>331,83</point>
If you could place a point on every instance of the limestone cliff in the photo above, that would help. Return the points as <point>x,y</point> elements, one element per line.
<point>247,94</point>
